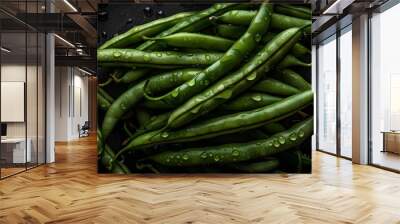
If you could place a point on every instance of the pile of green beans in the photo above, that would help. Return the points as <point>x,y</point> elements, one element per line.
<point>225,89</point>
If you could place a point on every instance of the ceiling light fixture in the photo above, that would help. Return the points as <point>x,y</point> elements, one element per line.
<point>84,71</point>
<point>65,41</point>
<point>70,5</point>
<point>329,9</point>
<point>5,50</point>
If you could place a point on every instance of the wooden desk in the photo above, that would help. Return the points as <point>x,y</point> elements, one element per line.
<point>391,141</point>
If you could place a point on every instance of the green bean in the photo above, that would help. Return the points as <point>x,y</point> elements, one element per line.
<point>169,80</point>
<point>300,50</point>
<point>229,31</point>
<point>155,122</point>
<point>105,94</point>
<point>226,124</point>
<point>294,79</point>
<point>107,157</point>
<point>234,32</point>
<point>131,76</point>
<point>157,58</point>
<point>273,128</point>
<point>238,152</point>
<point>135,34</point>
<point>230,60</point>
<point>278,21</point>
<point>142,116</point>
<point>128,65</point>
<point>275,87</point>
<point>222,90</point>
<point>257,167</point>
<point>250,101</point>
<point>120,106</point>
<point>192,24</point>
<point>295,11</point>
<point>290,61</point>
<point>196,40</point>
<point>103,103</point>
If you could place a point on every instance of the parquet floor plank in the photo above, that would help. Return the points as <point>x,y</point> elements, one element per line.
<point>70,191</point>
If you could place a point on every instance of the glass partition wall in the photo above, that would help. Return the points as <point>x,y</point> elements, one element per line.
<point>385,89</point>
<point>334,93</point>
<point>22,77</point>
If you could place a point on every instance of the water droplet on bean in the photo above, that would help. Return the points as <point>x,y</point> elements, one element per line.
<point>235,153</point>
<point>256,98</point>
<point>208,57</point>
<point>185,157</point>
<point>216,158</point>
<point>257,38</point>
<point>175,93</point>
<point>276,143</point>
<point>293,137</point>
<point>282,140</point>
<point>164,134</point>
<point>252,76</point>
<point>122,106</point>
<point>203,155</point>
<point>146,58</point>
<point>159,54</point>
<point>117,54</point>
<point>192,82</point>
<point>301,133</point>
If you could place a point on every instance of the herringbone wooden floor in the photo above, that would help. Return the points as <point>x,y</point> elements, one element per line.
<point>70,191</point>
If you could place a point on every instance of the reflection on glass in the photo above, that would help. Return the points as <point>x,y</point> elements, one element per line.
<point>14,153</point>
<point>346,93</point>
<point>327,96</point>
<point>385,84</point>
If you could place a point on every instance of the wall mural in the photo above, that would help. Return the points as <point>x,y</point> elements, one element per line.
<point>201,88</point>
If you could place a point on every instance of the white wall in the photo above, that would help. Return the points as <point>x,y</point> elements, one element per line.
<point>71,102</point>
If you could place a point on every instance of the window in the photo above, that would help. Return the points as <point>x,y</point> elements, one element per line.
<point>385,89</point>
<point>327,95</point>
<point>346,92</point>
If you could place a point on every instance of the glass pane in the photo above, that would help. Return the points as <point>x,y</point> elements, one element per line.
<point>346,93</point>
<point>385,84</point>
<point>327,96</point>
<point>31,97</point>
<point>13,86</point>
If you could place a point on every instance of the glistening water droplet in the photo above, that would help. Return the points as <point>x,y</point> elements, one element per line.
<point>235,153</point>
<point>256,98</point>
<point>293,137</point>
<point>117,54</point>
<point>175,93</point>
<point>192,82</point>
<point>203,155</point>
<point>257,38</point>
<point>164,134</point>
<point>300,133</point>
<point>282,140</point>
<point>276,143</point>
<point>185,157</point>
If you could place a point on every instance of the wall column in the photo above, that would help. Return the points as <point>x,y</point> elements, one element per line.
<point>360,89</point>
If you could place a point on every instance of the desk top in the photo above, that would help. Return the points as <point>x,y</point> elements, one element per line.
<point>391,132</point>
<point>13,140</point>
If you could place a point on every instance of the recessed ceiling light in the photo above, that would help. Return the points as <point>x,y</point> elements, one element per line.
<point>5,50</point>
<point>65,41</point>
<point>70,5</point>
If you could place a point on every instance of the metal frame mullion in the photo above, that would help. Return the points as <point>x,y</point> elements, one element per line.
<point>338,93</point>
